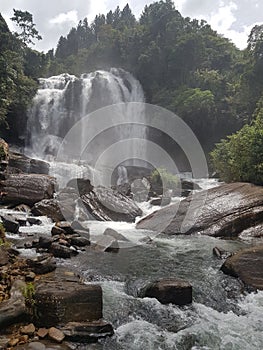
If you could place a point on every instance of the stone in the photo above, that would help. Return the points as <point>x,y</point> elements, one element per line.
<point>28,165</point>
<point>13,342</point>
<point>36,346</point>
<point>66,226</point>
<point>10,224</point>
<point>54,209</point>
<point>221,253</point>
<point>79,241</point>
<point>14,309</point>
<point>34,221</point>
<point>56,335</point>
<point>57,231</point>
<point>60,251</point>
<point>107,244</point>
<point>30,276</point>
<point>27,188</point>
<point>23,339</point>
<point>105,204</point>
<point>23,208</point>
<point>44,242</point>
<point>28,329</point>
<point>223,211</point>
<point>4,257</point>
<point>77,226</point>
<point>112,233</point>
<point>60,298</point>
<point>42,333</point>
<point>42,264</point>
<point>81,186</point>
<point>160,201</point>
<point>87,332</point>
<point>246,265</point>
<point>170,290</point>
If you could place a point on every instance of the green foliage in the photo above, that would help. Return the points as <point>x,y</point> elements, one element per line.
<point>161,177</point>
<point>240,156</point>
<point>29,295</point>
<point>24,20</point>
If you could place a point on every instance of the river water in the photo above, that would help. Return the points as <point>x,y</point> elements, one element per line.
<point>220,317</point>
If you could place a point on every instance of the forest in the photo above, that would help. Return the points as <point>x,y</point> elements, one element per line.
<point>182,64</point>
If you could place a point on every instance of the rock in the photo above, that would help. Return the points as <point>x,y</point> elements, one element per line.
<point>30,276</point>
<point>223,211</point>
<point>4,256</point>
<point>65,226</point>
<point>28,329</point>
<point>42,333</point>
<point>106,204</point>
<point>160,201</point>
<point>57,231</point>
<point>81,186</point>
<point>170,290</point>
<point>23,208</point>
<point>54,209</point>
<point>112,233</point>
<point>42,264</point>
<point>79,241</point>
<point>77,226</point>
<point>87,332</point>
<point>56,335</point>
<point>14,309</point>
<point>10,224</point>
<point>189,185</point>
<point>247,266</point>
<point>44,242</point>
<point>34,221</point>
<point>13,342</point>
<point>28,165</point>
<point>27,188</point>
<point>36,346</point>
<point>61,251</point>
<point>221,253</point>
<point>23,339</point>
<point>61,298</point>
<point>107,244</point>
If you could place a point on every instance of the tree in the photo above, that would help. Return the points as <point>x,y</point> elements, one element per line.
<point>24,20</point>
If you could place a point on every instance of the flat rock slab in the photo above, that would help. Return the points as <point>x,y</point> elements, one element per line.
<point>247,265</point>
<point>223,211</point>
<point>61,298</point>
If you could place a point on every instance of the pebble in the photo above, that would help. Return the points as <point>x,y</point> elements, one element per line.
<point>56,334</point>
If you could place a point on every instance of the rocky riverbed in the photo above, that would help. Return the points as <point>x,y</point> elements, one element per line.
<point>102,278</point>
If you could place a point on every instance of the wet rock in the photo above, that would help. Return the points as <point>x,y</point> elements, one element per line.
<point>30,276</point>
<point>160,201</point>
<point>81,186</point>
<point>28,329</point>
<point>27,188</point>
<point>23,339</point>
<point>79,241</point>
<point>42,264</point>
<point>65,226</point>
<point>54,209</point>
<point>77,226</point>
<point>107,244</point>
<point>87,332</point>
<point>14,309</point>
<point>223,211</point>
<point>61,251</point>
<point>36,346</point>
<point>28,165</point>
<point>4,256</point>
<point>189,185</point>
<point>106,204</point>
<point>23,208</point>
<point>10,224</point>
<point>13,342</point>
<point>221,253</point>
<point>42,333</point>
<point>57,231</point>
<point>175,291</point>
<point>247,266</point>
<point>56,335</point>
<point>112,233</point>
<point>34,221</point>
<point>60,298</point>
<point>44,242</point>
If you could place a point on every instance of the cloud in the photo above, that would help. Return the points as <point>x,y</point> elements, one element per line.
<point>70,16</point>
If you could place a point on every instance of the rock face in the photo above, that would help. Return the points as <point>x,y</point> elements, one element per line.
<point>27,188</point>
<point>27,165</point>
<point>61,298</point>
<point>54,209</point>
<point>247,265</point>
<point>106,204</point>
<point>223,211</point>
<point>175,291</point>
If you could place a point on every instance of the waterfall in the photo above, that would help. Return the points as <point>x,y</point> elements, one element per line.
<point>62,101</point>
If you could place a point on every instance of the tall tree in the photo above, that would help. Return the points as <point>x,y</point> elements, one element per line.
<point>24,20</point>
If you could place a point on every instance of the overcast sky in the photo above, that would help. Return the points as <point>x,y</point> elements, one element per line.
<point>234,19</point>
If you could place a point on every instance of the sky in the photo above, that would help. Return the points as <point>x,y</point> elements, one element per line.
<point>234,19</point>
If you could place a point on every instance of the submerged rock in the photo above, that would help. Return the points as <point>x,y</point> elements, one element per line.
<point>106,204</point>
<point>107,244</point>
<point>247,265</point>
<point>170,290</point>
<point>10,224</point>
<point>223,211</point>
<point>112,233</point>
<point>27,188</point>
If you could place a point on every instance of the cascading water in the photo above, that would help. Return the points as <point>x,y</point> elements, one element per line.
<point>62,101</point>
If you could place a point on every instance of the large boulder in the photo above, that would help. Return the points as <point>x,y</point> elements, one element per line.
<point>27,165</point>
<point>55,209</point>
<point>170,290</point>
<point>106,204</point>
<point>61,298</point>
<point>224,211</point>
<point>26,188</point>
<point>247,266</point>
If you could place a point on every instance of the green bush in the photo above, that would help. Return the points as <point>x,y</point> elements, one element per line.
<point>240,156</point>
<point>161,177</point>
